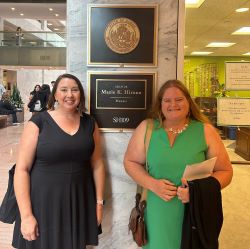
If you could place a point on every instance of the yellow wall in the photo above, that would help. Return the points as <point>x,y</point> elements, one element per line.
<point>192,62</point>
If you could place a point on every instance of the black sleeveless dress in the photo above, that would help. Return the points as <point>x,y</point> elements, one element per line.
<point>62,187</point>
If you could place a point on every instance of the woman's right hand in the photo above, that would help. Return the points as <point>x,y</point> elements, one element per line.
<point>29,228</point>
<point>165,189</point>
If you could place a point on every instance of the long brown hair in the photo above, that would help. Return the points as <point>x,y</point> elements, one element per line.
<point>194,111</point>
<point>52,100</point>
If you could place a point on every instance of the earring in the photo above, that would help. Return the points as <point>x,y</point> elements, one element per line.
<point>56,104</point>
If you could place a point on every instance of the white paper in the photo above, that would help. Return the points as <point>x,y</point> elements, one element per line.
<point>199,170</point>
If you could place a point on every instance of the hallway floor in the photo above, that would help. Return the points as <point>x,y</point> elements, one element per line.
<point>236,197</point>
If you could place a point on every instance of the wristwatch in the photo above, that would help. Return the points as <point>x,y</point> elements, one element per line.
<point>100,202</point>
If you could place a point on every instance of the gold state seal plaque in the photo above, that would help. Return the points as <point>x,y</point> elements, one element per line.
<point>122,35</point>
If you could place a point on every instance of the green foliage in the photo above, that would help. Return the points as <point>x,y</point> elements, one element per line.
<point>16,98</point>
<point>221,91</point>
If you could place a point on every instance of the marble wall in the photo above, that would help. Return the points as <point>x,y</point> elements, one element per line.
<point>120,189</point>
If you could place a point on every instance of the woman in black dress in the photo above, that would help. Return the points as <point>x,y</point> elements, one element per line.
<point>33,99</point>
<point>59,178</point>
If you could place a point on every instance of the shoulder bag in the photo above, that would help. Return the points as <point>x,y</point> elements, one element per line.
<point>136,220</point>
<point>9,208</point>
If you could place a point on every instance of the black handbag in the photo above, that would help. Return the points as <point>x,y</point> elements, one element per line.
<point>9,208</point>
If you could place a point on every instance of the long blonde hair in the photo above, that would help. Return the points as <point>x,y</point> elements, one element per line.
<point>194,111</point>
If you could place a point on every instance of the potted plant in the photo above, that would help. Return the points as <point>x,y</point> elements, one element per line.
<point>17,101</point>
<point>221,91</point>
<point>16,98</point>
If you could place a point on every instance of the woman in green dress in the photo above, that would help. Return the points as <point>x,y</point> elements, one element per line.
<point>181,135</point>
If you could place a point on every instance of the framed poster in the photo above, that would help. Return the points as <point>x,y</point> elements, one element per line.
<point>233,111</point>
<point>122,35</point>
<point>237,75</point>
<point>119,101</point>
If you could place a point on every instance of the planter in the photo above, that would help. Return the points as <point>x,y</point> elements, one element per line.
<point>20,115</point>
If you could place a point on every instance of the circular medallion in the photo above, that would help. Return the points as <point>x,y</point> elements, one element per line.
<point>122,35</point>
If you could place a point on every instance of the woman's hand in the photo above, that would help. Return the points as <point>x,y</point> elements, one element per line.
<point>183,191</point>
<point>29,228</point>
<point>165,189</point>
<point>99,213</point>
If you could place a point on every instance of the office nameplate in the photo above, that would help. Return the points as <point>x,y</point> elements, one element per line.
<point>120,100</point>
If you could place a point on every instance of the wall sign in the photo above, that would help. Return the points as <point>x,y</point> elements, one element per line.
<point>120,100</point>
<point>233,111</point>
<point>122,35</point>
<point>237,75</point>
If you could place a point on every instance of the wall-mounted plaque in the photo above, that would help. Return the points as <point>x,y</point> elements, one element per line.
<point>119,101</point>
<point>122,35</point>
<point>237,75</point>
<point>233,111</point>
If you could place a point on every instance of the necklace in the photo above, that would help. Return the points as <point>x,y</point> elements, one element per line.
<point>177,131</point>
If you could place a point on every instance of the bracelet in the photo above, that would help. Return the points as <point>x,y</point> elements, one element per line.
<point>100,202</point>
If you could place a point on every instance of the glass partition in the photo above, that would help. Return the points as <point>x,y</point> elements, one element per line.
<point>32,39</point>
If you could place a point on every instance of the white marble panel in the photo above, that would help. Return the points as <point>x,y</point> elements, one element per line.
<point>120,189</point>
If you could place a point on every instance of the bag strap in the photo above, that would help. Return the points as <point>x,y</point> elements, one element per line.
<point>149,130</point>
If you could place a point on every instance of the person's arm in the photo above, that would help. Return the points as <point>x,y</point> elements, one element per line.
<point>26,154</point>
<point>134,161</point>
<point>97,163</point>
<point>223,171</point>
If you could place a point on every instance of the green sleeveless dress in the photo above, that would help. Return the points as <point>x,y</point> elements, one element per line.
<point>164,219</point>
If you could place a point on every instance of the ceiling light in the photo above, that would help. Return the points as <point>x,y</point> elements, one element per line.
<point>220,44</point>
<point>242,31</point>
<point>200,53</point>
<point>56,29</point>
<point>193,3</point>
<point>248,53</point>
<point>185,46</point>
<point>242,9</point>
<point>56,14</point>
<point>13,9</point>
<point>49,24</point>
<point>21,14</point>
<point>50,9</point>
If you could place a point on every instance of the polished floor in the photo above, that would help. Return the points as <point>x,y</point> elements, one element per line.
<point>236,198</point>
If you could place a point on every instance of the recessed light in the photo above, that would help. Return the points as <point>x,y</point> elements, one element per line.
<point>13,8</point>
<point>220,44</point>
<point>50,9</point>
<point>56,14</point>
<point>56,29</point>
<point>242,9</point>
<point>242,31</point>
<point>201,53</point>
<point>248,53</point>
<point>49,24</point>
<point>185,46</point>
<point>21,14</point>
<point>193,3</point>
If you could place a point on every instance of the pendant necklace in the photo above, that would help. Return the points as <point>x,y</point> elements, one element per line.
<point>177,131</point>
